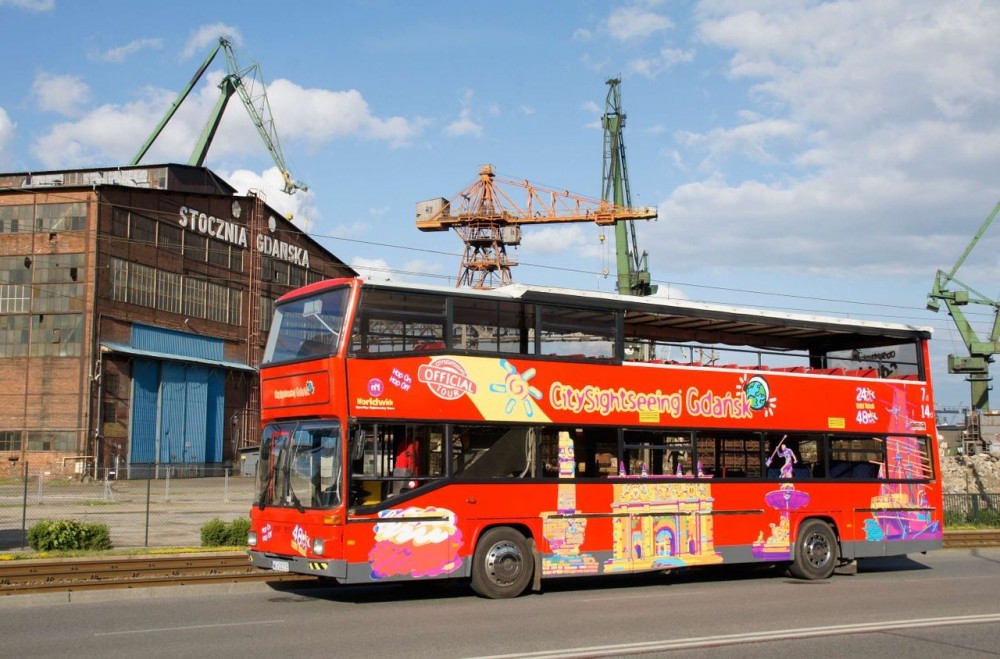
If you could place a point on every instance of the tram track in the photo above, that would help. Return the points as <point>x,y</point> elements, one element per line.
<point>48,575</point>
<point>32,576</point>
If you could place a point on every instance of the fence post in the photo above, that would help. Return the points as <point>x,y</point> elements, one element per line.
<point>166,489</point>
<point>149,482</point>
<point>975,508</point>
<point>225,487</point>
<point>39,487</point>
<point>24,508</point>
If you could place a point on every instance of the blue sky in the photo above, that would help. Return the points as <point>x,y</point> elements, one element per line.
<point>819,157</point>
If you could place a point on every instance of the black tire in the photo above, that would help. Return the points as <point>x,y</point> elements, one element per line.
<point>502,566</point>
<point>815,551</point>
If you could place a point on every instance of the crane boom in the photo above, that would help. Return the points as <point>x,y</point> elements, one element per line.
<point>487,219</point>
<point>976,367</point>
<point>633,269</point>
<point>248,83</point>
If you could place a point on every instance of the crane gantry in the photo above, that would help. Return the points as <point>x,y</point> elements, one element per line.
<point>248,83</point>
<point>488,219</point>
<point>956,295</point>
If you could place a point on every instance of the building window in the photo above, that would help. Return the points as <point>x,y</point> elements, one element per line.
<point>10,440</point>
<point>218,254</point>
<point>218,303</point>
<point>16,219</point>
<point>119,223</point>
<point>56,335</point>
<point>119,280</point>
<point>194,246</point>
<point>58,283</point>
<point>61,217</point>
<point>236,260</point>
<point>194,297</point>
<point>15,332</point>
<point>143,230</point>
<point>266,313</point>
<point>15,284</point>
<point>109,411</point>
<point>235,307</point>
<point>51,440</point>
<point>142,286</point>
<point>169,238</point>
<point>112,384</point>
<point>168,291</point>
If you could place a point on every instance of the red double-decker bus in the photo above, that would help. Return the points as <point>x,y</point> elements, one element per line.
<point>525,433</point>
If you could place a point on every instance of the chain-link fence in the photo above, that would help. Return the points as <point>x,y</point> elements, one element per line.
<point>164,511</point>
<point>974,509</point>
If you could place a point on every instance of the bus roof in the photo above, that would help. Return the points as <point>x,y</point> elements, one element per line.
<point>684,320</point>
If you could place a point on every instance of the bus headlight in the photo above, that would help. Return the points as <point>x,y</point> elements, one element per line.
<point>252,538</point>
<point>318,547</point>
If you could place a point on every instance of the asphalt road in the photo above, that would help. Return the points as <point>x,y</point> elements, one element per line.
<point>942,604</point>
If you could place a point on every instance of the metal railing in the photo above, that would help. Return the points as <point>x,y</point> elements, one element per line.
<point>167,511</point>
<point>972,509</point>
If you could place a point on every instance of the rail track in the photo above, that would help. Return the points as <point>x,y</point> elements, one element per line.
<point>78,574</point>
<point>969,539</point>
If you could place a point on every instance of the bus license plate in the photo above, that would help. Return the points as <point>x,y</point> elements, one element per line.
<point>279,566</point>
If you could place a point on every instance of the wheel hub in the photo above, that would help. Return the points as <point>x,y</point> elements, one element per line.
<point>504,563</point>
<point>817,550</point>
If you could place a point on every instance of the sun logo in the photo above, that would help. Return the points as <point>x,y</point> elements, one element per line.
<point>758,394</point>
<point>516,387</point>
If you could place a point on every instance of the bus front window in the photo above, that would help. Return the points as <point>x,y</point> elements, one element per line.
<point>300,466</point>
<point>307,327</point>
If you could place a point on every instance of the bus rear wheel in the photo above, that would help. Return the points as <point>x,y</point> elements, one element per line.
<point>815,551</point>
<point>502,566</point>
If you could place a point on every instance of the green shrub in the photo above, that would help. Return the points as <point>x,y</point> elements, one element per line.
<point>216,533</point>
<point>68,535</point>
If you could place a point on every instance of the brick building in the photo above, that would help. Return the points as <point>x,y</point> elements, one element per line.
<point>134,307</point>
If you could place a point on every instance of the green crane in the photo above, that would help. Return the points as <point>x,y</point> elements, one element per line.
<point>248,83</point>
<point>976,367</point>
<point>633,271</point>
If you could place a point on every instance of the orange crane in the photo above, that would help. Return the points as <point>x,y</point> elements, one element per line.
<point>487,219</point>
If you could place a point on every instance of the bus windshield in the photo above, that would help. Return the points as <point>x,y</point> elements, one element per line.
<point>300,465</point>
<point>307,327</point>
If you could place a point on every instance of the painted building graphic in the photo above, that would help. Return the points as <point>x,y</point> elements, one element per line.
<point>658,524</point>
<point>564,532</point>
<point>662,525</point>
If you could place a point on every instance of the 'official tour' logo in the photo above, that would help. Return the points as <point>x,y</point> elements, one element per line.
<point>446,378</point>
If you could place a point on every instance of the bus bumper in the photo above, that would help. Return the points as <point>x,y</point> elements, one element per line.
<point>320,567</point>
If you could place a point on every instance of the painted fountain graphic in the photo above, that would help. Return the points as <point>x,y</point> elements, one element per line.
<point>777,545</point>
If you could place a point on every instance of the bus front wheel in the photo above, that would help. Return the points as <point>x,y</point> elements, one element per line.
<point>502,566</point>
<point>815,551</point>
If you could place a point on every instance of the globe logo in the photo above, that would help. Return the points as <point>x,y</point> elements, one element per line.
<point>757,393</point>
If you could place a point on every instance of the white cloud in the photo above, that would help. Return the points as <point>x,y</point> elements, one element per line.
<point>6,133</point>
<point>837,166</point>
<point>374,270</point>
<point>205,37</point>
<point>299,207</point>
<point>310,116</point>
<point>636,23</point>
<point>320,115</point>
<point>30,5</point>
<point>64,94</point>
<point>108,133</point>
<point>750,140</point>
<point>465,124</point>
<point>665,60</point>
<point>120,53</point>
